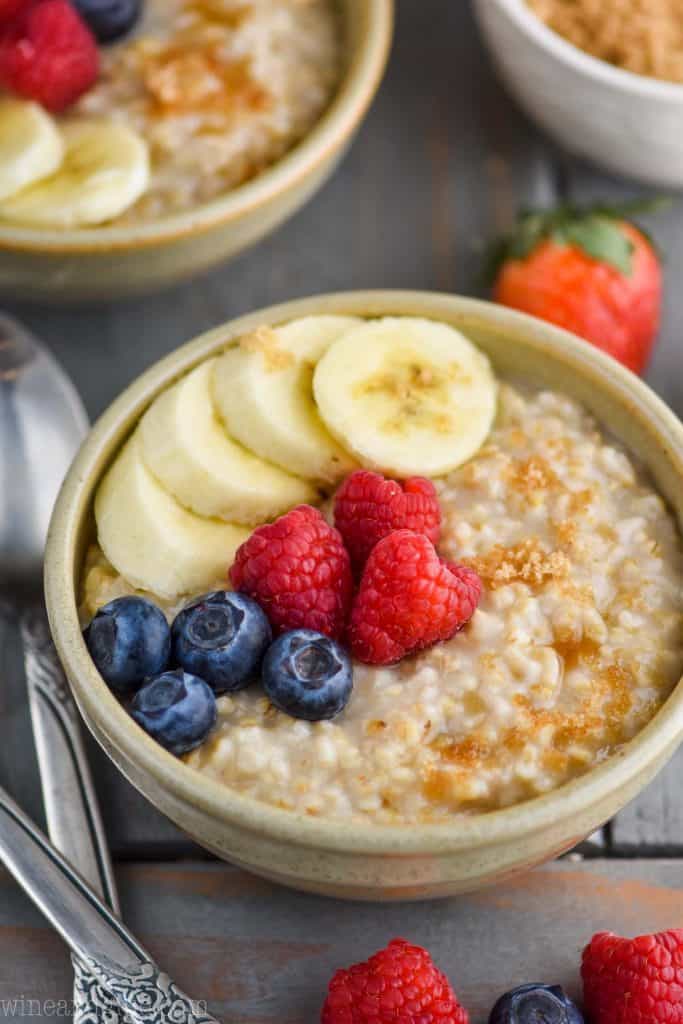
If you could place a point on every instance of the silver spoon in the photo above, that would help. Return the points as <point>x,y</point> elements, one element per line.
<point>42,423</point>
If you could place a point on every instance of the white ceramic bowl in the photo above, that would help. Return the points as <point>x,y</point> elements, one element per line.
<point>628,123</point>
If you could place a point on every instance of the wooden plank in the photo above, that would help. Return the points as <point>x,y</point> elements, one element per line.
<point>261,954</point>
<point>441,163</point>
<point>654,821</point>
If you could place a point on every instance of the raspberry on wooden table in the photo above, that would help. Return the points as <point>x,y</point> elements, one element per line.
<point>634,981</point>
<point>368,507</point>
<point>298,570</point>
<point>398,984</point>
<point>409,599</point>
<point>48,54</point>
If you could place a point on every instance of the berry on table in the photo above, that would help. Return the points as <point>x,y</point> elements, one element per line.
<point>129,640</point>
<point>176,709</point>
<point>367,507</point>
<point>398,985</point>
<point>298,570</point>
<point>109,19</point>
<point>307,675</point>
<point>535,1004</point>
<point>221,637</point>
<point>409,599</point>
<point>634,981</point>
<point>48,54</point>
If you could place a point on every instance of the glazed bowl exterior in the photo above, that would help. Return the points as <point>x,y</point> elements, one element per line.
<point>341,858</point>
<point>625,122</point>
<point>110,262</point>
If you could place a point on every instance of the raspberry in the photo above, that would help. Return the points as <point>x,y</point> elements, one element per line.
<point>298,570</point>
<point>368,507</point>
<point>634,981</point>
<point>409,599</point>
<point>398,985</point>
<point>48,54</point>
<point>8,8</point>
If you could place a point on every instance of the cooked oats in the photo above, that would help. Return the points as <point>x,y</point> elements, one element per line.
<point>220,89</point>
<point>575,645</point>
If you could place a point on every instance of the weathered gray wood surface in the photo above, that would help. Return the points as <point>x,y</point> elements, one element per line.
<point>258,954</point>
<point>441,164</point>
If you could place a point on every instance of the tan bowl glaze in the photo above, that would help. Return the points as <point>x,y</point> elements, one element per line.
<point>363,860</point>
<point>108,262</point>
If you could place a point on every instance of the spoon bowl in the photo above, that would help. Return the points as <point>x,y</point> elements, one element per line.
<point>42,424</point>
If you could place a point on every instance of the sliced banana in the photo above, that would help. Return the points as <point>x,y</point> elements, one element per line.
<point>188,451</point>
<point>151,540</point>
<point>263,392</point>
<point>104,171</point>
<point>31,147</point>
<point>406,395</point>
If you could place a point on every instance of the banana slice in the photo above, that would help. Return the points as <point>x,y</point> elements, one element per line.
<point>263,393</point>
<point>151,540</point>
<point>406,395</point>
<point>31,147</point>
<point>188,451</point>
<point>104,171</point>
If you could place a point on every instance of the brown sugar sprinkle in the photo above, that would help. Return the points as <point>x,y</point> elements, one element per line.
<point>643,36</point>
<point>196,79</point>
<point>265,340</point>
<point>526,562</point>
<point>532,474</point>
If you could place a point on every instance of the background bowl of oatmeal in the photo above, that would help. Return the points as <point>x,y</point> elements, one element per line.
<point>140,254</point>
<point>348,857</point>
<point>625,121</point>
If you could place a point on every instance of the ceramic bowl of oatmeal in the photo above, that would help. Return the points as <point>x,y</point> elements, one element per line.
<point>604,80</point>
<point>209,123</point>
<point>526,724</point>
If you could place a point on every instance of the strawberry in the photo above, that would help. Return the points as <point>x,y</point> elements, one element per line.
<point>590,271</point>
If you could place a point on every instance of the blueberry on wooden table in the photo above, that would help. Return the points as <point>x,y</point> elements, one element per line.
<point>221,637</point>
<point>535,1004</point>
<point>129,640</point>
<point>109,19</point>
<point>176,709</point>
<point>307,675</point>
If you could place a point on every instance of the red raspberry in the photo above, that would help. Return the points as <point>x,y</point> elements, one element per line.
<point>298,570</point>
<point>8,8</point>
<point>398,985</point>
<point>368,507</point>
<point>409,599</point>
<point>48,54</point>
<point>634,981</point>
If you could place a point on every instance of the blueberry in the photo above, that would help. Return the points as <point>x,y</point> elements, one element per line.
<point>221,637</point>
<point>178,710</point>
<point>535,1004</point>
<point>109,19</point>
<point>129,640</point>
<point>307,675</point>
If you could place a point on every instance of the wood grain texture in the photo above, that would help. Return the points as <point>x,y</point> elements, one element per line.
<point>263,955</point>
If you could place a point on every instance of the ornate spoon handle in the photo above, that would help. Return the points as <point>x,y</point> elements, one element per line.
<point>71,808</point>
<point>110,955</point>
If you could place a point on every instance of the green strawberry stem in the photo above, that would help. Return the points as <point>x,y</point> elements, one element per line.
<point>594,229</point>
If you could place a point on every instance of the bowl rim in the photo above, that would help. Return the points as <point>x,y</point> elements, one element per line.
<point>113,726</point>
<point>337,124</point>
<point>584,63</point>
